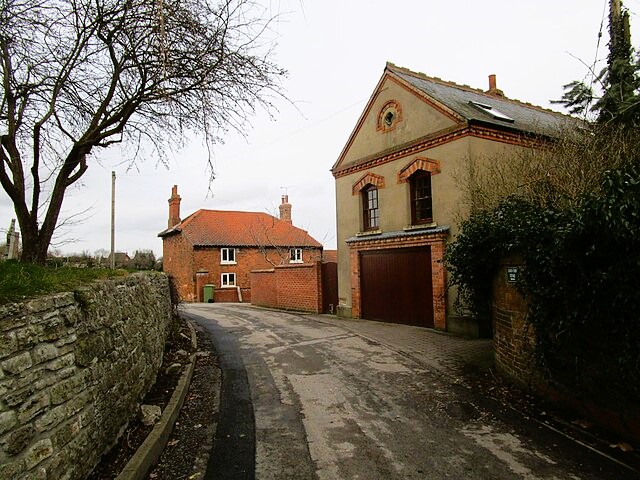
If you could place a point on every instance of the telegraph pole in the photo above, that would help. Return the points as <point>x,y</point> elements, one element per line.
<point>615,8</point>
<point>615,17</point>
<point>113,220</point>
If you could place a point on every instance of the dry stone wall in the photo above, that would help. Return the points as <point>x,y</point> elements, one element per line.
<point>73,369</point>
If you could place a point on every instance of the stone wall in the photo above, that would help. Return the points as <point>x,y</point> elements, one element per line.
<point>73,368</point>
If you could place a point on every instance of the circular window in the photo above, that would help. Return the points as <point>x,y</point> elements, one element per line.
<point>390,115</point>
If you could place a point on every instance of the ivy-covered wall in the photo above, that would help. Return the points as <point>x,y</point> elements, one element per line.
<point>73,369</point>
<point>580,270</point>
<point>514,340</point>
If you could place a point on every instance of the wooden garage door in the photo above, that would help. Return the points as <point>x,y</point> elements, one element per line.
<point>395,286</point>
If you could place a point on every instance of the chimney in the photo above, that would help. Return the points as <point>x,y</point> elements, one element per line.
<point>285,209</point>
<point>493,88</point>
<point>174,207</point>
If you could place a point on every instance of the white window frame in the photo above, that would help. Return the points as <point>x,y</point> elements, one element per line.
<point>224,252</point>
<point>295,255</point>
<point>228,280</point>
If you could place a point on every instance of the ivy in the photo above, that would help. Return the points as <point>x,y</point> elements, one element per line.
<point>581,276</point>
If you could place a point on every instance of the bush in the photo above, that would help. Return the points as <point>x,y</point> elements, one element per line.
<point>581,275</point>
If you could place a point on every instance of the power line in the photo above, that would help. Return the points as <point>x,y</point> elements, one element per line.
<point>595,59</point>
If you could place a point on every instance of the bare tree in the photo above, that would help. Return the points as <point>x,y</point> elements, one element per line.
<point>265,234</point>
<point>82,74</point>
<point>557,173</point>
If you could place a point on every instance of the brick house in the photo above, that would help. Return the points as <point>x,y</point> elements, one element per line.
<point>221,248</point>
<point>397,199</point>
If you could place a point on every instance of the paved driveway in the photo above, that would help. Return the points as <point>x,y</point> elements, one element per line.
<point>307,397</point>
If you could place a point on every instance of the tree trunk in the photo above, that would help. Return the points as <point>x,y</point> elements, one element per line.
<point>36,241</point>
<point>33,250</point>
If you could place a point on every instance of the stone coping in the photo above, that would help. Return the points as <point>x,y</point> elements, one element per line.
<point>149,452</point>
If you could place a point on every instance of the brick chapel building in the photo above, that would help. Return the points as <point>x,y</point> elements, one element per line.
<point>398,203</point>
<point>220,248</point>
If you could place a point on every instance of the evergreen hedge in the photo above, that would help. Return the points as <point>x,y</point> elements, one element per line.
<point>581,277</point>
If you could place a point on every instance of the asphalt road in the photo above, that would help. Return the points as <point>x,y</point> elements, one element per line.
<point>309,397</point>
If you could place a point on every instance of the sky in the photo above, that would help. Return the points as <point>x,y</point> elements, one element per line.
<point>335,52</point>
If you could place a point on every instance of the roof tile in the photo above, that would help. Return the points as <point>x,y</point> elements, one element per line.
<point>221,228</point>
<point>527,117</point>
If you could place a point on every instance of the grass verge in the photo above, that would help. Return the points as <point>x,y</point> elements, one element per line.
<point>20,281</point>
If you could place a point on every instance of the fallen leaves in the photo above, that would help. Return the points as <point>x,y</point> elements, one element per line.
<point>625,447</point>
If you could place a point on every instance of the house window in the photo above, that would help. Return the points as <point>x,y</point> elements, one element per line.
<point>295,255</point>
<point>370,213</point>
<point>421,208</point>
<point>228,256</point>
<point>228,280</point>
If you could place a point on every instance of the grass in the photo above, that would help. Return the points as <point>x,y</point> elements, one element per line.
<point>20,281</point>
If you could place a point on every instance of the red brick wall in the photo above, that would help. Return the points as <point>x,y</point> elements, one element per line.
<point>263,288</point>
<point>513,338</point>
<point>514,343</point>
<point>231,295</point>
<point>299,287</point>
<point>290,287</point>
<point>194,268</point>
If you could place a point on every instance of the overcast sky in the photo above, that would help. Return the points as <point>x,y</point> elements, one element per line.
<point>335,52</point>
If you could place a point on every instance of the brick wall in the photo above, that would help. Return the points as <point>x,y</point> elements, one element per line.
<point>290,287</point>
<point>513,337</point>
<point>514,343</point>
<point>263,288</point>
<point>73,369</point>
<point>225,295</point>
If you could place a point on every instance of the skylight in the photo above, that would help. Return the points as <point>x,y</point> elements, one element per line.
<point>491,111</point>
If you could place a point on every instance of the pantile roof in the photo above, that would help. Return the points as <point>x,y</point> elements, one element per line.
<point>461,98</point>
<point>221,228</point>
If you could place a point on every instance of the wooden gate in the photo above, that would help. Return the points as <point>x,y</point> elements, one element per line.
<point>329,287</point>
<point>395,286</point>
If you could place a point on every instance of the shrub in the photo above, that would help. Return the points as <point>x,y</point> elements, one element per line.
<point>581,275</point>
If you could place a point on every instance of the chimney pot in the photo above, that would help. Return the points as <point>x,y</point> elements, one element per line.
<point>493,87</point>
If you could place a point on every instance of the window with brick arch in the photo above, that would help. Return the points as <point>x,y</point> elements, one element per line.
<point>421,204</point>
<point>370,211</point>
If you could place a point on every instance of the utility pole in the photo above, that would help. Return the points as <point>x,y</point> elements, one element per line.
<point>615,8</point>
<point>619,24</point>
<point>113,220</point>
